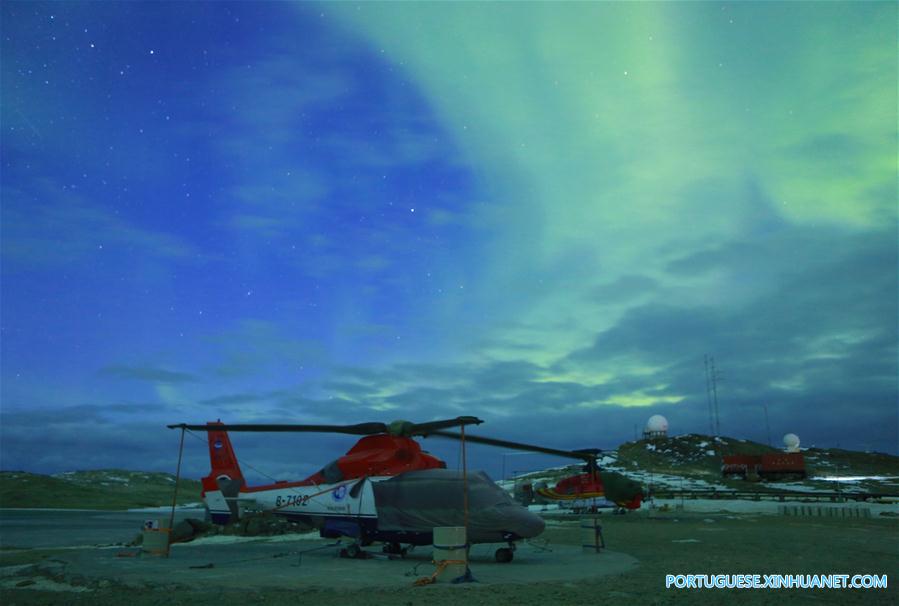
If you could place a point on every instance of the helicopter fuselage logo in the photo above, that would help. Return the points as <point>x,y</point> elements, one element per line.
<point>339,493</point>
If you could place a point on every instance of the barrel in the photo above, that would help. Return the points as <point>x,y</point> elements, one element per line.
<point>591,535</point>
<point>450,546</point>
<point>155,538</point>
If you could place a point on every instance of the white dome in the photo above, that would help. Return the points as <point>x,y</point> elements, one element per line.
<point>791,442</point>
<point>657,423</point>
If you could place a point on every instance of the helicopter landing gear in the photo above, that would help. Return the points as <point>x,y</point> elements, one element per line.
<point>504,555</point>
<point>354,551</point>
<point>394,549</point>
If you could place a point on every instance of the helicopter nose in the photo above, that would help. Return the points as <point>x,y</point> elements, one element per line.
<point>504,520</point>
<point>531,525</point>
<point>525,524</point>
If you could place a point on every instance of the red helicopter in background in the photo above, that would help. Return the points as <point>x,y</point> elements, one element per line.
<point>611,486</point>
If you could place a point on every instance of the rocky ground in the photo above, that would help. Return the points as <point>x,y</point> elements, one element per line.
<point>662,542</point>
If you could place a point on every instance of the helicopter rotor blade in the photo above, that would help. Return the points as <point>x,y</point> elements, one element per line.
<point>594,452</point>
<point>360,429</point>
<point>424,429</point>
<point>397,428</point>
<point>587,454</point>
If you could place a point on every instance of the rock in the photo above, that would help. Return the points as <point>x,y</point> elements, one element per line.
<point>189,529</point>
<point>200,526</point>
<point>182,532</point>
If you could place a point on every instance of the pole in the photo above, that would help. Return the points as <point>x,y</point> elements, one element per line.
<point>708,394</point>
<point>464,485</point>
<point>715,396</point>
<point>465,501</point>
<point>175,494</point>
<point>767,424</point>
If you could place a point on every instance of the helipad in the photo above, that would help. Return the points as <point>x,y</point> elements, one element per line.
<point>316,563</point>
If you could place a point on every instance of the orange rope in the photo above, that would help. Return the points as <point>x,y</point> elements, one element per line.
<point>441,566</point>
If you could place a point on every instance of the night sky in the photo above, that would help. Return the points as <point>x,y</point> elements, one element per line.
<point>545,215</point>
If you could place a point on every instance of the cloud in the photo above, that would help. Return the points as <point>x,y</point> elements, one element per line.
<point>342,176</point>
<point>603,194</point>
<point>625,288</point>
<point>234,399</point>
<point>594,169</point>
<point>60,227</point>
<point>150,374</point>
<point>253,346</point>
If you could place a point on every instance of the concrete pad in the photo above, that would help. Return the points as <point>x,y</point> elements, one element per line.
<point>315,563</point>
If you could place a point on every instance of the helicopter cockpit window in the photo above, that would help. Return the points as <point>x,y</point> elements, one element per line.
<point>332,473</point>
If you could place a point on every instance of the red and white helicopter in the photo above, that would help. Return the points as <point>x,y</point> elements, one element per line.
<point>385,488</point>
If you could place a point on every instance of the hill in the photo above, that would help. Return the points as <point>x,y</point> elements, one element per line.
<point>100,489</point>
<point>693,462</point>
<point>695,456</point>
<point>688,462</point>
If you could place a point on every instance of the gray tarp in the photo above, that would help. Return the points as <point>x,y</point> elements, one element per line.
<point>419,501</point>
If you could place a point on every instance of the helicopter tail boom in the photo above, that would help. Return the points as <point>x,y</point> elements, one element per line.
<point>222,486</point>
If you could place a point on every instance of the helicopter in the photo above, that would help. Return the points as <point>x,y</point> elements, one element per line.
<point>384,489</point>
<point>624,493</point>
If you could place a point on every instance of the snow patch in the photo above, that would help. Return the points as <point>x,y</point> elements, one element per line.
<point>547,507</point>
<point>853,478</point>
<point>168,508</point>
<point>756,507</point>
<point>41,584</point>
<point>222,539</point>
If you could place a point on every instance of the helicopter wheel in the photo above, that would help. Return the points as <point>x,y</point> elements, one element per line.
<point>504,555</point>
<point>395,549</point>
<point>352,551</point>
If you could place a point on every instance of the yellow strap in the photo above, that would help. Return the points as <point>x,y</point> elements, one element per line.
<point>441,565</point>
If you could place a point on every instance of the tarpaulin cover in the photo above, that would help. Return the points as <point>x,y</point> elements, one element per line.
<point>419,501</point>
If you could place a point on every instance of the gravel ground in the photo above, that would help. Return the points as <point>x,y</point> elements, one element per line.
<point>671,543</point>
